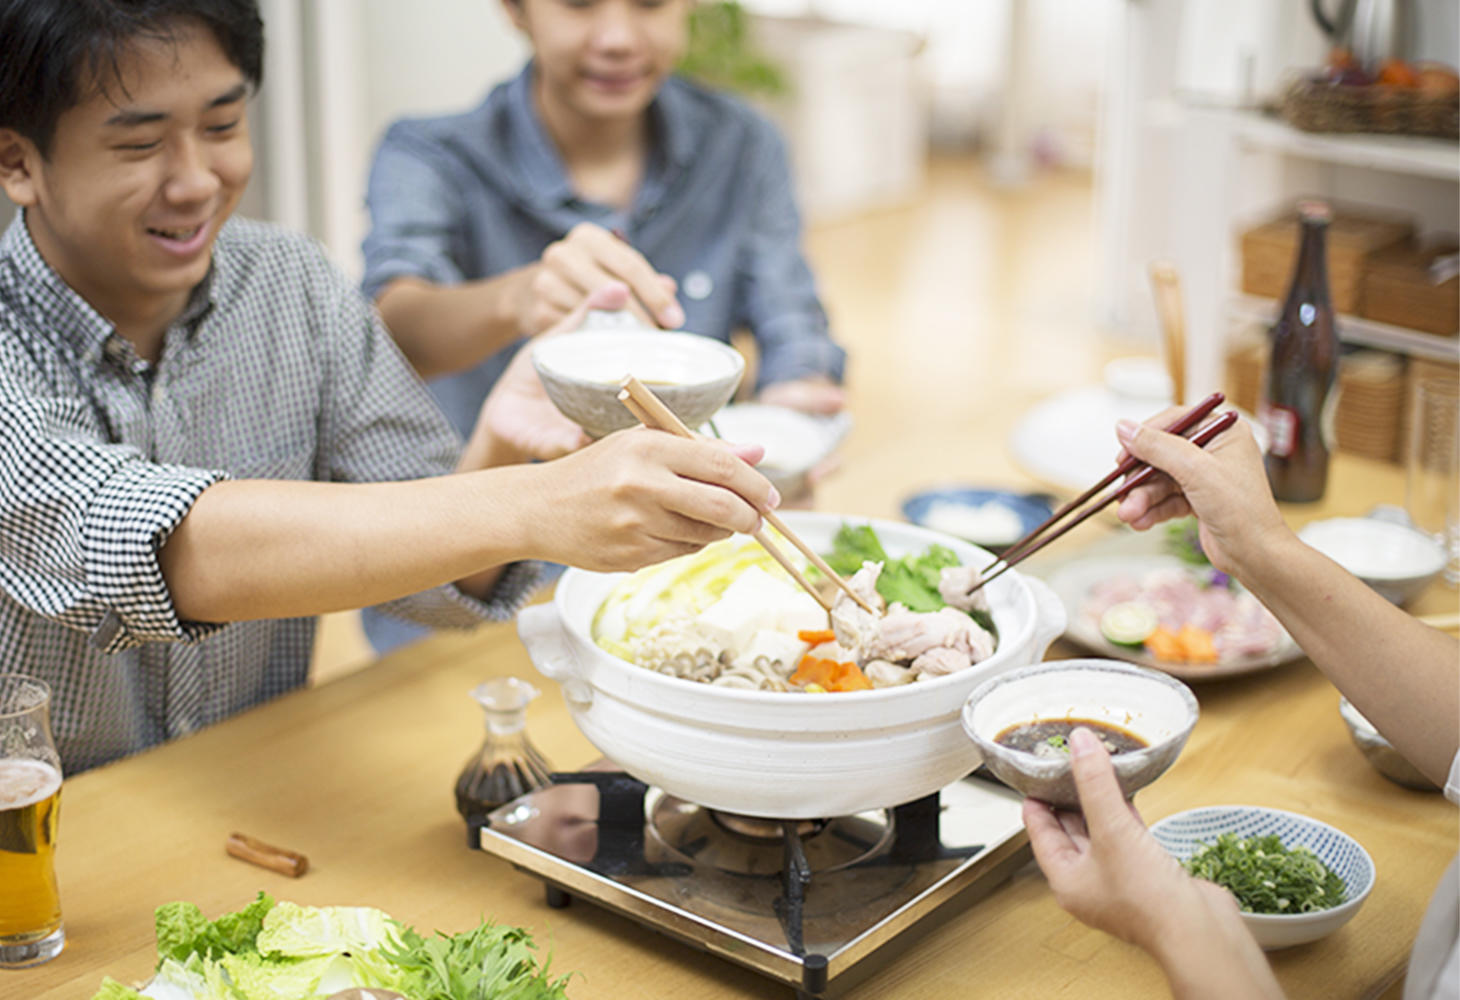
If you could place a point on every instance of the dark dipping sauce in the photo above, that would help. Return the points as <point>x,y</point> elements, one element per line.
<point>1051,737</point>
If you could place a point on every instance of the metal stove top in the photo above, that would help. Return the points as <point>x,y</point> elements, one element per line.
<point>805,903</point>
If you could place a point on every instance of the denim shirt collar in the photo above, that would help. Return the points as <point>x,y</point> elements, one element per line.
<point>674,128</point>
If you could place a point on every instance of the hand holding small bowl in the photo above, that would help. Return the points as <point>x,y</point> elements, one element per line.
<point>1146,703</point>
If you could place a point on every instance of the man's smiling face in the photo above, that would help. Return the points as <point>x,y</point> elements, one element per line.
<point>139,177</point>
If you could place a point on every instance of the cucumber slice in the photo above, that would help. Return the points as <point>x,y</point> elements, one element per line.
<point>1129,623</point>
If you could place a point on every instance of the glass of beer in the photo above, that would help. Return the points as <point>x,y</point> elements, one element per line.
<point>30,806</point>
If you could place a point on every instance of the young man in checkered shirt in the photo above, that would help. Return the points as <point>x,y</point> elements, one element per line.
<point>206,435</point>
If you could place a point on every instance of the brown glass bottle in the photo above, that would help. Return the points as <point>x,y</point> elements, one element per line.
<point>1300,384</point>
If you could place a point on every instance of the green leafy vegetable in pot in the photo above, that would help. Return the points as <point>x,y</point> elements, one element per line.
<point>911,580</point>
<point>1267,877</point>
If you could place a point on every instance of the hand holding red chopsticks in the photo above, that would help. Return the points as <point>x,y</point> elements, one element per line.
<point>1138,473</point>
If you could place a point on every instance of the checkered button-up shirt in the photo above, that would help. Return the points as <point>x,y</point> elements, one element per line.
<point>277,369</point>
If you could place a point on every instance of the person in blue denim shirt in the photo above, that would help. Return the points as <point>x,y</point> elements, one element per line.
<point>594,164</point>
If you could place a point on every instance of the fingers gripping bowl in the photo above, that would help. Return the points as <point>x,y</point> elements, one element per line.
<point>776,754</point>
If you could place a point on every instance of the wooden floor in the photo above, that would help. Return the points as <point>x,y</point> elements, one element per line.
<point>957,311</point>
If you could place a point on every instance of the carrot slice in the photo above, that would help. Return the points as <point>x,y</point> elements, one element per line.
<point>830,675</point>
<point>813,670</point>
<point>1165,646</point>
<point>851,678</point>
<point>816,636</point>
<point>1198,644</point>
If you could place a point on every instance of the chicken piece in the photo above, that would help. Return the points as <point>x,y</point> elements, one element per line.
<point>853,626</point>
<point>905,635</point>
<point>955,586</point>
<point>981,643</point>
<point>883,674</point>
<point>940,660</point>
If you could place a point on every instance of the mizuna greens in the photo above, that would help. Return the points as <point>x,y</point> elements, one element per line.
<point>283,951</point>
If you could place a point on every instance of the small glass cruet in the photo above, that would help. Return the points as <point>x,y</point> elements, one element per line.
<point>507,765</point>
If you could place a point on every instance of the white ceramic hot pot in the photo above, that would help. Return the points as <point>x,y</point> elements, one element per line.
<point>775,754</point>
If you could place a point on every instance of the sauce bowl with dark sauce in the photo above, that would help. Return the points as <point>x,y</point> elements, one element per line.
<point>1021,723</point>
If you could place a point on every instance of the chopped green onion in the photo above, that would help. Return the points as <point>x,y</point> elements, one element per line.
<point>1267,877</point>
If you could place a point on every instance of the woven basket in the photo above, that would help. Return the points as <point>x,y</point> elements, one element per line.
<point>1319,106</point>
<point>1269,253</point>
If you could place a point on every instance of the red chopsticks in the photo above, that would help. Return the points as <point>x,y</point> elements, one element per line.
<point>1143,473</point>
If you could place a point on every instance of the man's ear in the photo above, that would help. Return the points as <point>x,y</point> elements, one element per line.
<point>514,11</point>
<point>18,160</point>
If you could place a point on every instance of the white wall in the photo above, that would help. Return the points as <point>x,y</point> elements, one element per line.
<point>966,61</point>
<point>378,60</point>
<point>433,56</point>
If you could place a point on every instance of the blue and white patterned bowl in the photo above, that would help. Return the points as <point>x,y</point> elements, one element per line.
<point>1183,833</point>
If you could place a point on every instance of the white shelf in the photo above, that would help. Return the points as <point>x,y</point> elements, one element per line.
<point>1406,154</point>
<point>1357,330</point>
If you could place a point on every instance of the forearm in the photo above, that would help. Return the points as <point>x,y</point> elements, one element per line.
<point>1363,643</point>
<point>265,549</point>
<point>445,329</point>
<point>1212,957</point>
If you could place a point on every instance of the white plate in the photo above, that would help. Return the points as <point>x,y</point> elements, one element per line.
<point>1069,441</point>
<point>1072,582</point>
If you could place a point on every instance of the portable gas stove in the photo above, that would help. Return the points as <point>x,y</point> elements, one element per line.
<point>804,902</point>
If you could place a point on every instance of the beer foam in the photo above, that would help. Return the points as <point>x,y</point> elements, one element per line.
<point>24,782</point>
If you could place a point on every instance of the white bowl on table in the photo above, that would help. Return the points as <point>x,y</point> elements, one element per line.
<point>781,754</point>
<point>794,442</point>
<point>1183,833</point>
<point>1396,560</point>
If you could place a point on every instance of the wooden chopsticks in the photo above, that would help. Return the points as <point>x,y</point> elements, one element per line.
<point>1034,541</point>
<point>650,411</point>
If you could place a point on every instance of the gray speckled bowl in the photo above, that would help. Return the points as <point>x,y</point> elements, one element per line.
<point>1380,752</point>
<point>695,376</point>
<point>1152,705</point>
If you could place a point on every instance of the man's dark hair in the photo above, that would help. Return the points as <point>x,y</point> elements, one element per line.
<point>56,54</point>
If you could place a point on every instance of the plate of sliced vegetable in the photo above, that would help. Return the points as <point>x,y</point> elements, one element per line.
<point>272,950</point>
<point>1166,612</point>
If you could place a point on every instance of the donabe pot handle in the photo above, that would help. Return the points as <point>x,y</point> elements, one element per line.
<point>1050,617</point>
<point>548,646</point>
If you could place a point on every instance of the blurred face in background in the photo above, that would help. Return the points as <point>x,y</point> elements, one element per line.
<point>602,60</point>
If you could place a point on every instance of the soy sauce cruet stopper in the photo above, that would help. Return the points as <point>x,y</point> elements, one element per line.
<point>507,766</point>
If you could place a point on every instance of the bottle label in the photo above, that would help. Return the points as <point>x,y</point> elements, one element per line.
<point>1328,419</point>
<point>1281,424</point>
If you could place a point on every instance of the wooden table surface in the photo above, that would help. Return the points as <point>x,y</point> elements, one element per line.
<point>357,774</point>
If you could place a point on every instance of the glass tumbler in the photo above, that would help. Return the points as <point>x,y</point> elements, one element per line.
<point>30,807</point>
<point>1432,469</point>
